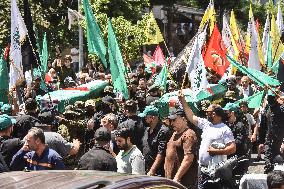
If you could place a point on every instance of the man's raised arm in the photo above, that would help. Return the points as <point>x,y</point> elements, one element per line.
<point>188,112</point>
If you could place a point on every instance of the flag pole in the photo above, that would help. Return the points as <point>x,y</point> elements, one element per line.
<point>81,50</point>
<point>169,74</point>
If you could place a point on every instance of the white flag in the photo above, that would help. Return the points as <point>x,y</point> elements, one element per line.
<point>195,66</point>
<point>18,35</point>
<point>227,36</point>
<point>265,35</point>
<point>253,61</point>
<point>279,20</point>
<point>73,17</point>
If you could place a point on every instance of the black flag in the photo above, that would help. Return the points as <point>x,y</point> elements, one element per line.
<point>30,54</point>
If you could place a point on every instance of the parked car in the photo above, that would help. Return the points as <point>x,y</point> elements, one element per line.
<point>71,179</point>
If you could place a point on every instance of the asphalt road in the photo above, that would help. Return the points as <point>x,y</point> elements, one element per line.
<point>256,167</point>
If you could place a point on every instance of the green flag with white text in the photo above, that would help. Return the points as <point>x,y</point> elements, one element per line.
<point>117,67</point>
<point>94,35</point>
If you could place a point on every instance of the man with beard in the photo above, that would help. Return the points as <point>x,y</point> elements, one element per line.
<point>155,141</point>
<point>134,121</point>
<point>217,138</point>
<point>130,159</point>
<point>35,155</point>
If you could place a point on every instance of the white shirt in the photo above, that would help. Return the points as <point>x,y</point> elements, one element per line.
<point>131,162</point>
<point>219,133</point>
<point>75,55</point>
<point>251,122</point>
<point>246,92</point>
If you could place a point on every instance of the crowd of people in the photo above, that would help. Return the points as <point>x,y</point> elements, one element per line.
<point>129,136</point>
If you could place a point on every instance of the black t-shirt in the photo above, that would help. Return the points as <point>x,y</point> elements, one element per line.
<point>98,158</point>
<point>9,147</point>
<point>24,124</point>
<point>155,143</point>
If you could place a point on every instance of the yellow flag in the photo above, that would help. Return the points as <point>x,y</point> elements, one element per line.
<point>235,37</point>
<point>153,33</point>
<point>209,14</point>
<point>249,29</point>
<point>259,48</point>
<point>277,45</point>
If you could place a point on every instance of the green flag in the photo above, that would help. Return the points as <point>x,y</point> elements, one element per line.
<point>275,67</point>
<point>44,55</point>
<point>161,79</point>
<point>117,68</point>
<point>259,77</point>
<point>4,79</point>
<point>253,101</point>
<point>94,37</point>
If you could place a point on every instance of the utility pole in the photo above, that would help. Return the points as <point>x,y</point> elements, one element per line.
<point>81,50</point>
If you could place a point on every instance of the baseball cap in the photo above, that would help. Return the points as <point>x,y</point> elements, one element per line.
<point>176,112</point>
<point>6,109</point>
<point>231,107</point>
<point>102,134</point>
<point>231,81</point>
<point>231,95</point>
<point>37,78</point>
<point>149,110</point>
<point>108,89</point>
<point>108,100</point>
<point>6,121</point>
<point>46,118</point>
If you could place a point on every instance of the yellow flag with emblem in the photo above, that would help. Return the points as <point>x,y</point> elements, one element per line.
<point>277,45</point>
<point>153,33</point>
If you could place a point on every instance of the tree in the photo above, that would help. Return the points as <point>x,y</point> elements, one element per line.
<point>51,16</point>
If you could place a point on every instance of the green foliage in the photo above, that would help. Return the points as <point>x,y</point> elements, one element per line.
<point>129,9</point>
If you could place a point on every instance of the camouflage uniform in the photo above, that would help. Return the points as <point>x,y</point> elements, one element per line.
<point>73,127</point>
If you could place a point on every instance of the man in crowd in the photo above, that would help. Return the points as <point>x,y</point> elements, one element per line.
<point>155,141</point>
<point>133,121</point>
<point>28,120</point>
<point>53,139</point>
<point>99,157</point>
<point>75,59</point>
<point>9,146</point>
<point>129,160</point>
<point>110,122</point>
<point>273,122</point>
<point>65,71</point>
<point>217,138</point>
<point>275,180</point>
<point>245,87</point>
<point>181,157</point>
<point>35,155</point>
